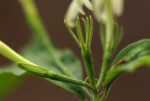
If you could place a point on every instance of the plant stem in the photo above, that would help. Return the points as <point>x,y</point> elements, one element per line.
<point>104,68</point>
<point>89,66</point>
<point>12,55</point>
<point>87,58</point>
<point>35,69</point>
<point>85,49</point>
<point>104,95</point>
<point>40,71</point>
<point>109,23</point>
<point>40,32</point>
<point>96,98</point>
<point>35,22</point>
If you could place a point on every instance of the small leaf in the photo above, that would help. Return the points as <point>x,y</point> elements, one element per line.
<point>134,51</point>
<point>129,59</point>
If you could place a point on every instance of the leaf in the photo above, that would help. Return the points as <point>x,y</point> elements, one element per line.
<point>129,59</point>
<point>71,64</point>
<point>38,54</point>
<point>133,51</point>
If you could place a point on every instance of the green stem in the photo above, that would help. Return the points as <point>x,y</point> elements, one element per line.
<point>96,98</point>
<point>87,58</point>
<point>89,66</point>
<point>40,32</point>
<point>35,22</point>
<point>103,98</point>
<point>12,55</point>
<point>85,49</point>
<point>40,71</point>
<point>35,69</point>
<point>109,23</point>
<point>105,68</point>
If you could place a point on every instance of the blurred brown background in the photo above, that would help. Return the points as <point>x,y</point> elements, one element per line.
<point>15,32</point>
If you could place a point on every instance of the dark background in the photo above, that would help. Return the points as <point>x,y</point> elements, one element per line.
<point>15,32</point>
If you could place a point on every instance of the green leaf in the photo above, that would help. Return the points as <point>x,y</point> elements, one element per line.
<point>129,59</point>
<point>134,51</point>
<point>38,54</point>
<point>71,64</point>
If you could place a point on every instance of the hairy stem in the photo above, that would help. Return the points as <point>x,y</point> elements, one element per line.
<point>104,68</point>
<point>86,54</point>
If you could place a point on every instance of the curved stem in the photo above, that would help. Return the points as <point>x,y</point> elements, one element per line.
<point>40,33</point>
<point>40,71</point>
<point>35,69</point>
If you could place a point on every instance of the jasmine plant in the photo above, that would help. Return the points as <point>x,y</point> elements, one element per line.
<point>61,67</point>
